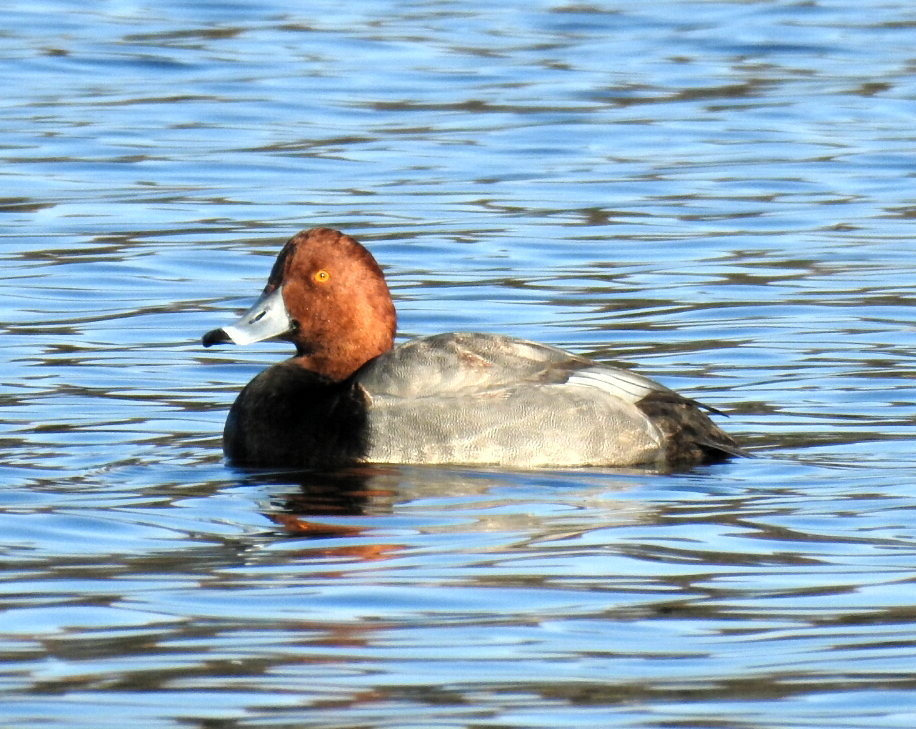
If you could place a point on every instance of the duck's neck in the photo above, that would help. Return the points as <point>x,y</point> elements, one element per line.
<point>339,358</point>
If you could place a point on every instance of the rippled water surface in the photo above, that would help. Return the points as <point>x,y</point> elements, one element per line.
<point>718,194</point>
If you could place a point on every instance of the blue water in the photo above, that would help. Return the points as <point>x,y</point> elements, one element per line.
<point>717,194</point>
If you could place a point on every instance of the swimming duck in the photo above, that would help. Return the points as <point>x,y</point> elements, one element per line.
<point>350,396</point>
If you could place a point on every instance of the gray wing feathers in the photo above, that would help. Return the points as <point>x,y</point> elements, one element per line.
<point>475,398</point>
<point>533,425</point>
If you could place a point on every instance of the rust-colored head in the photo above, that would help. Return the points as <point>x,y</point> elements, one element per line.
<point>328,296</point>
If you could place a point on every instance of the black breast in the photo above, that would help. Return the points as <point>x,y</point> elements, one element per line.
<point>290,416</point>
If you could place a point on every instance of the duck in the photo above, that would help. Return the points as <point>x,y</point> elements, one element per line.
<point>351,396</point>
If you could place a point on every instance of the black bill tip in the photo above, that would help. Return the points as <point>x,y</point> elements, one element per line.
<point>215,336</point>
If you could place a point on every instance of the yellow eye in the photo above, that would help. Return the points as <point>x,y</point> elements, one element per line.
<point>321,276</point>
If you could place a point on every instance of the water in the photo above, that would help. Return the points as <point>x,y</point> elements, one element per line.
<point>719,194</point>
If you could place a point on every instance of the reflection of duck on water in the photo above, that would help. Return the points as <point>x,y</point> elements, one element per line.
<point>325,506</point>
